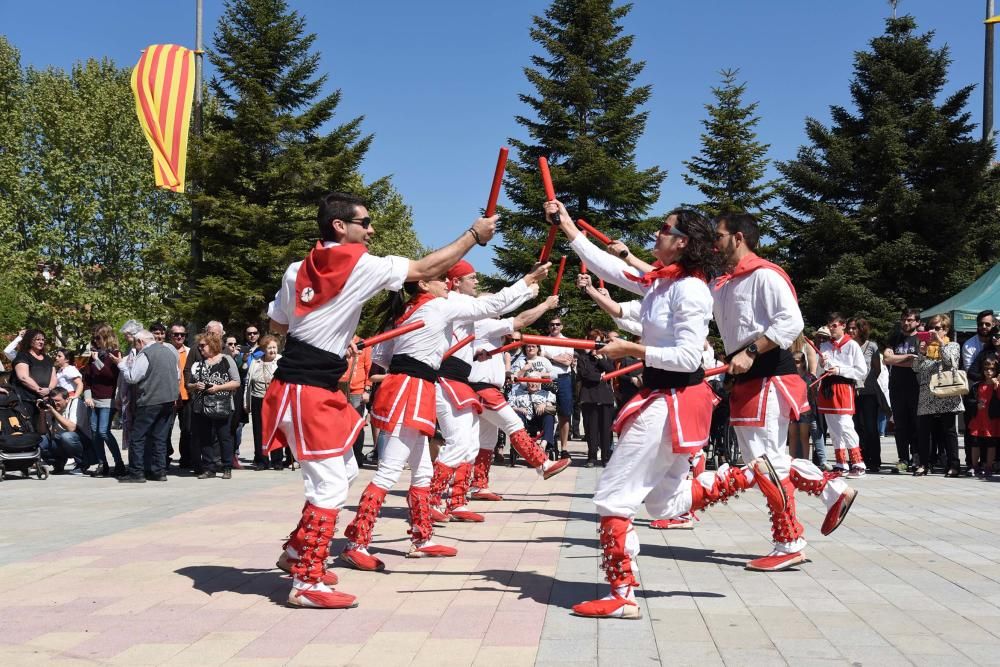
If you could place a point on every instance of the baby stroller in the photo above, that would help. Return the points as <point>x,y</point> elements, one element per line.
<point>722,446</point>
<point>19,444</point>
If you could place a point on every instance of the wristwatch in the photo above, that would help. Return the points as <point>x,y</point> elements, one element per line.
<point>752,350</point>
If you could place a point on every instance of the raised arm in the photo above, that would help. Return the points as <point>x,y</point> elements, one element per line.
<point>602,299</point>
<point>439,261</point>
<point>530,316</point>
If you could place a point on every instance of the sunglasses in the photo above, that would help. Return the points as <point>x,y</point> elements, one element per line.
<point>364,222</point>
<point>252,333</point>
<point>178,334</point>
<point>555,324</point>
<point>938,328</point>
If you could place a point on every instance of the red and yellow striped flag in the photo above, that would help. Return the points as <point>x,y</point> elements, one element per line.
<point>163,83</point>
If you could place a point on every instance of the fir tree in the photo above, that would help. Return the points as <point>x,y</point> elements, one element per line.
<point>894,204</point>
<point>265,160</point>
<point>587,122</point>
<point>730,170</point>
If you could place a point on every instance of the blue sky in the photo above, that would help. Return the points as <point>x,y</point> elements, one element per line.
<point>438,82</point>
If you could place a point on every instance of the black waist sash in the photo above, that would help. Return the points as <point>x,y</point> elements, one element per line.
<point>826,384</point>
<point>302,363</point>
<point>404,364</point>
<point>455,369</point>
<point>657,378</point>
<point>481,386</point>
<point>769,364</point>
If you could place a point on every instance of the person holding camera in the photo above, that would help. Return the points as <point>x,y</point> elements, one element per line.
<point>100,379</point>
<point>152,375</point>
<point>212,381</point>
<point>62,435</point>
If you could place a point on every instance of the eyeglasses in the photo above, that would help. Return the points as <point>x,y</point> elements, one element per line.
<point>938,328</point>
<point>555,324</point>
<point>365,222</point>
<point>179,334</point>
<point>672,231</point>
<point>910,319</point>
<point>253,333</point>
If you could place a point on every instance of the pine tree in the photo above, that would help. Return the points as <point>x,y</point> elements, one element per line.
<point>265,160</point>
<point>587,122</point>
<point>894,204</point>
<point>730,170</point>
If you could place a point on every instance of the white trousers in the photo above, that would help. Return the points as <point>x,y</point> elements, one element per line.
<point>645,469</point>
<point>842,432</point>
<point>770,439</point>
<point>492,421</point>
<point>325,481</point>
<point>460,429</point>
<point>404,446</point>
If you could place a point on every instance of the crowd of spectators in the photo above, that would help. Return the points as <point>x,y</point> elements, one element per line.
<point>156,386</point>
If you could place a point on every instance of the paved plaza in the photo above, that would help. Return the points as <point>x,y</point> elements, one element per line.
<point>182,573</point>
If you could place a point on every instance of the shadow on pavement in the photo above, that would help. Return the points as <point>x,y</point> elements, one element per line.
<point>211,579</point>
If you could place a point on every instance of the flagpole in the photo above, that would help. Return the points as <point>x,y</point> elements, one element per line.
<point>198,57</point>
<point>988,76</point>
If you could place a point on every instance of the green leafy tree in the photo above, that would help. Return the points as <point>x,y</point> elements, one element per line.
<point>730,170</point>
<point>587,120</point>
<point>265,159</point>
<point>895,203</point>
<point>12,142</point>
<point>88,231</point>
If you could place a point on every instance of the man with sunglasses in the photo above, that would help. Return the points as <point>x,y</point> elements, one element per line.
<point>758,315</point>
<point>177,338</point>
<point>318,306</point>
<point>562,375</point>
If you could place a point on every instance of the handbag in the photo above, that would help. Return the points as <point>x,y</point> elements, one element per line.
<point>217,406</point>
<point>946,384</point>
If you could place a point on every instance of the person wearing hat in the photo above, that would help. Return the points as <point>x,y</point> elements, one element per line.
<point>318,306</point>
<point>487,377</point>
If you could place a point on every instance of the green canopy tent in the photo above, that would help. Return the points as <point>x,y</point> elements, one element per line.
<point>984,294</point>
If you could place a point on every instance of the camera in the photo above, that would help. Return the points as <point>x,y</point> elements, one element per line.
<point>43,403</point>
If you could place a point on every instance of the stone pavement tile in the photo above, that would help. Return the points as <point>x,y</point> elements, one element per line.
<point>58,641</point>
<point>920,644</point>
<point>752,656</point>
<point>668,624</point>
<point>464,622</point>
<point>797,649</point>
<point>981,654</point>
<point>514,628</point>
<point>935,661</point>
<point>390,648</point>
<point>447,653</point>
<point>321,655</point>
<point>737,631</point>
<point>507,656</point>
<point>272,646</point>
<point>786,623</point>
<point>151,654</point>
<point>568,650</point>
<point>688,652</point>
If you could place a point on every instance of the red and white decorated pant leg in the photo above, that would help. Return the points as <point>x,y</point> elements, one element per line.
<point>698,463</point>
<point>311,541</point>
<point>421,526</point>
<point>359,531</point>
<point>845,439</point>
<point>440,481</point>
<point>619,546</point>
<point>771,440</point>
<point>460,487</point>
<point>488,431</point>
<point>527,448</point>
<point>837,496</point>
<point>710,488</point>
<point>644,460</point>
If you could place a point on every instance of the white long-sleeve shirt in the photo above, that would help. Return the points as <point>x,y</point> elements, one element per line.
<point>331,326</point>
<point>489,336</point>
<point>439,315</point>
<point>629,321</point>
<point>847,359</point>
<point>464,328</point>
<point>757,304</point>
<point>674,313</point>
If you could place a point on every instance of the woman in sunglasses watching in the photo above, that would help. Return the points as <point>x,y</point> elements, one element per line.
<point>936,415</point>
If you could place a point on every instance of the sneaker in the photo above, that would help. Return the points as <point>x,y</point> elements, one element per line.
<point>776,561</point>
<point>76,471</point>
<point>429,549</point>
<point>162,477</point>
<point>857,472</point>
<point>227,474</point>
<point>839,510</point>
<point>319,596</point>
<point>902,466</point>
<point>207,474</point>
<point>131,479</point>
<point>553,468</point>
<point>285,563</point>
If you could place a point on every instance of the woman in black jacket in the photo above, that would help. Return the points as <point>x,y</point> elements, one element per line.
<point>597,401</point>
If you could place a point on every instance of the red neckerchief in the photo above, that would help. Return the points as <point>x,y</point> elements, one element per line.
<point>413,304</point>
<point>750,263</point>
<point>323,274</point>
<point>845,339</point>
<point>672,272</point>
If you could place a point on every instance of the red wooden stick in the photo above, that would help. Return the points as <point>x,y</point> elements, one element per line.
<point>491,205</point>
<point>549,242</point>
<point>559,275</point>
<point>505,348</point>
<point>390,334</point>
<point>458,346</point>
<point>718,370</point>
<point>600,283</point>
<point>541,379</point>
<point>599,235</point>
<point>576,343</point>
<point>583,264</point>
<point>624,370</point>
<point>543,167</point>
<point>812,344</point>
